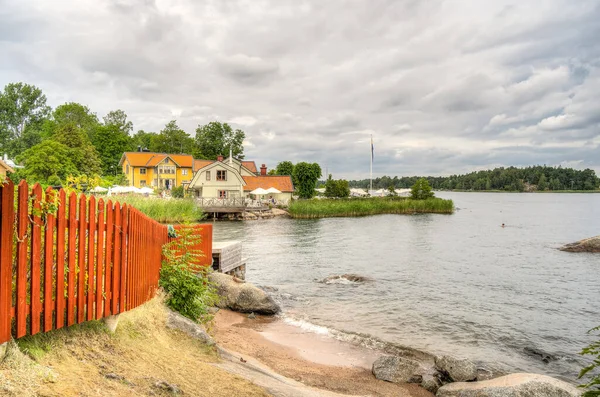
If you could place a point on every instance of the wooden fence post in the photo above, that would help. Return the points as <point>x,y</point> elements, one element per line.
<point>7,216</point>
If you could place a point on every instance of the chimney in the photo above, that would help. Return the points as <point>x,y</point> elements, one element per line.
<point>219,158</point>
<point>139,148</point>
<point>263,170</point>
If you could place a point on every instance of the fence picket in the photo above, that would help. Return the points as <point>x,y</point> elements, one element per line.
<point>49,264</point>
<point>36,260</point>
<point>22,265</point>
<point>116,280</point>
<point>71,302</point>
<point>108,259</point>
<point>7,216</point>
<point>60,259</point>
<point>81,260</point>
<point>124,257</point>
<point>100,258</point>
<point>91,258</point>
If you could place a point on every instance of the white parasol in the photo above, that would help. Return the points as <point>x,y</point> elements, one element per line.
<point>259,192</point>
<point>272,190</point>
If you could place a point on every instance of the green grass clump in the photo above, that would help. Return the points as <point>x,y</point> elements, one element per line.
<point>166,211</point>
<point>368,206</point>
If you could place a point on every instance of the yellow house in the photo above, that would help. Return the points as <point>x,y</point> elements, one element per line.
<point>157,170</point>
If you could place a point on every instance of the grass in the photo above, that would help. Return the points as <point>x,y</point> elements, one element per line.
<point>86,360</point>
<point>165,211</point>
<point>307,209</point>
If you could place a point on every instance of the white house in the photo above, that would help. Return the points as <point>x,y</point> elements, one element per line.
<point>232,178</point>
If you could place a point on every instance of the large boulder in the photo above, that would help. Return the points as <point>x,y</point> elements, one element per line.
<point>514,385</point>
<point>591,244</point>
<point>398,369</point>
<point>457,369</point>
<point>240,296</point>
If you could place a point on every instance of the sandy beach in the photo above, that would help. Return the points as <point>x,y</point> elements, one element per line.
<point>310,358</point>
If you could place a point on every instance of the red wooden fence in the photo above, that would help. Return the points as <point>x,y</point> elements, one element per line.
<point>65,260</point>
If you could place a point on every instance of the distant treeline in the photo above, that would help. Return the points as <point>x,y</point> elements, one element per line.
<point>508,179</point>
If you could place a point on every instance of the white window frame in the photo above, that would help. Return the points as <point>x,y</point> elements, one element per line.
<point>223,177</point>
<point>184,172</point>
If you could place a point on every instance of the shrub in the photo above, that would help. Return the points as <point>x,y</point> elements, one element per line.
<point>421,190</point>
<point>593,370</point>
<point>337,188</point>
<point>177,192</point>
<point>188,290</point>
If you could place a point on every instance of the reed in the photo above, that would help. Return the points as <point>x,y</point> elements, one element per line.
<point>316,208</point>
<point>165,211</point>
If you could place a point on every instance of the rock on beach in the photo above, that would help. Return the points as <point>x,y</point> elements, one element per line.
<point>242,297</point>
<point>591,244</point>
<point>514,385</point>
<point>398,370</point>
<point>459,370</point>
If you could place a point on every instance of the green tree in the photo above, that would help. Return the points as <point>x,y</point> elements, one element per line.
<point>336,188</point>
<point>421,190</point>
<point>144,140</point>
<point>47,161</point>
<point>592,371</point>
<point>217,138</point>
<point>285,168</point>
<point>542,184</point>
<point>111,141</point>
<point>22,111</point>
<point>172,139</point>
<point>83,154</point>
<point>74,113</point>
<point>306,176</point>
<point>391,190</point>
<point>118,118</point>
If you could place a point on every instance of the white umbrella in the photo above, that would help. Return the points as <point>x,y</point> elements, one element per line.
<point>259,192</point>
<point>99,189</point>
<point>273,190</point>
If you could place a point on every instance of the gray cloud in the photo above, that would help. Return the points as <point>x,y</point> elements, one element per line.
<point>443,87</point>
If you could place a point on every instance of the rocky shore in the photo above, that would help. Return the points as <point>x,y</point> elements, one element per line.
<point>326,363</point>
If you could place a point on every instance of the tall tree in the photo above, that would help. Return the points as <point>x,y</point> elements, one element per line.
<point>83,154</point>
<point>22,110</point>
<point>77,114</point>
<point>306,176</point>
<point>46,160</point>
<point>285,168</point>
<point>172,139</point>
<point>217,138</point>
<point>144,140</point>
<point>118,118</point>
<point>111,142</point>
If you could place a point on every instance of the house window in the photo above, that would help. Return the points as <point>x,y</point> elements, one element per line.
<point>142,171</point>
<point>221,175</point>
<point>127,169</point>
<point>222,193</point>
<point>166,169</point>
<point>166,161</point>
<point>208,175</point>
<point>142,183</point>
<point>184,172</point>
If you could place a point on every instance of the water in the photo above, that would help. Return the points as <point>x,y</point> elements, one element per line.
<point>447,284</point>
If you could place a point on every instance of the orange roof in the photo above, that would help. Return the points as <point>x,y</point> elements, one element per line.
<point>148,159</point>
<point>279,182</point>
<point>6,167</point>
<point>251,165</point>
<point>201,164</point>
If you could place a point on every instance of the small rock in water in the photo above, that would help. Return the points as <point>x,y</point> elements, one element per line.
<point>545,357</point>
<point>345,279</point>
<point>587,245</point>
<point>398,370</point>
<point>252,316</point>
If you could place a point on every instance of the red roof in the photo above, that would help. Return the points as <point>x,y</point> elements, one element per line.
<point>201,164</point>
<point>279,182</point>
<point>251,165</point>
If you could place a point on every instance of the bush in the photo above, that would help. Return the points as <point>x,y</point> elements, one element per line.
<point>188,290</point>
<point>336,188</point>
<point>593,370</point>
<point>421,190</point>
<point>177,192</point>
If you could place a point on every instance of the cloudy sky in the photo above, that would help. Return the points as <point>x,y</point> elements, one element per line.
<point>443,86</point>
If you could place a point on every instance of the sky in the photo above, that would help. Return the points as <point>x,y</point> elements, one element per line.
<point>443,87</point>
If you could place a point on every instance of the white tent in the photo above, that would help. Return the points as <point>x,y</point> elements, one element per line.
<point>272,190</point>
<point>99,189</point>
<point>146,190</point>
<point>259,192</point>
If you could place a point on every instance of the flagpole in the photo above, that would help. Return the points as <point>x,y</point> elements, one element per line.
<point>371,170</point>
